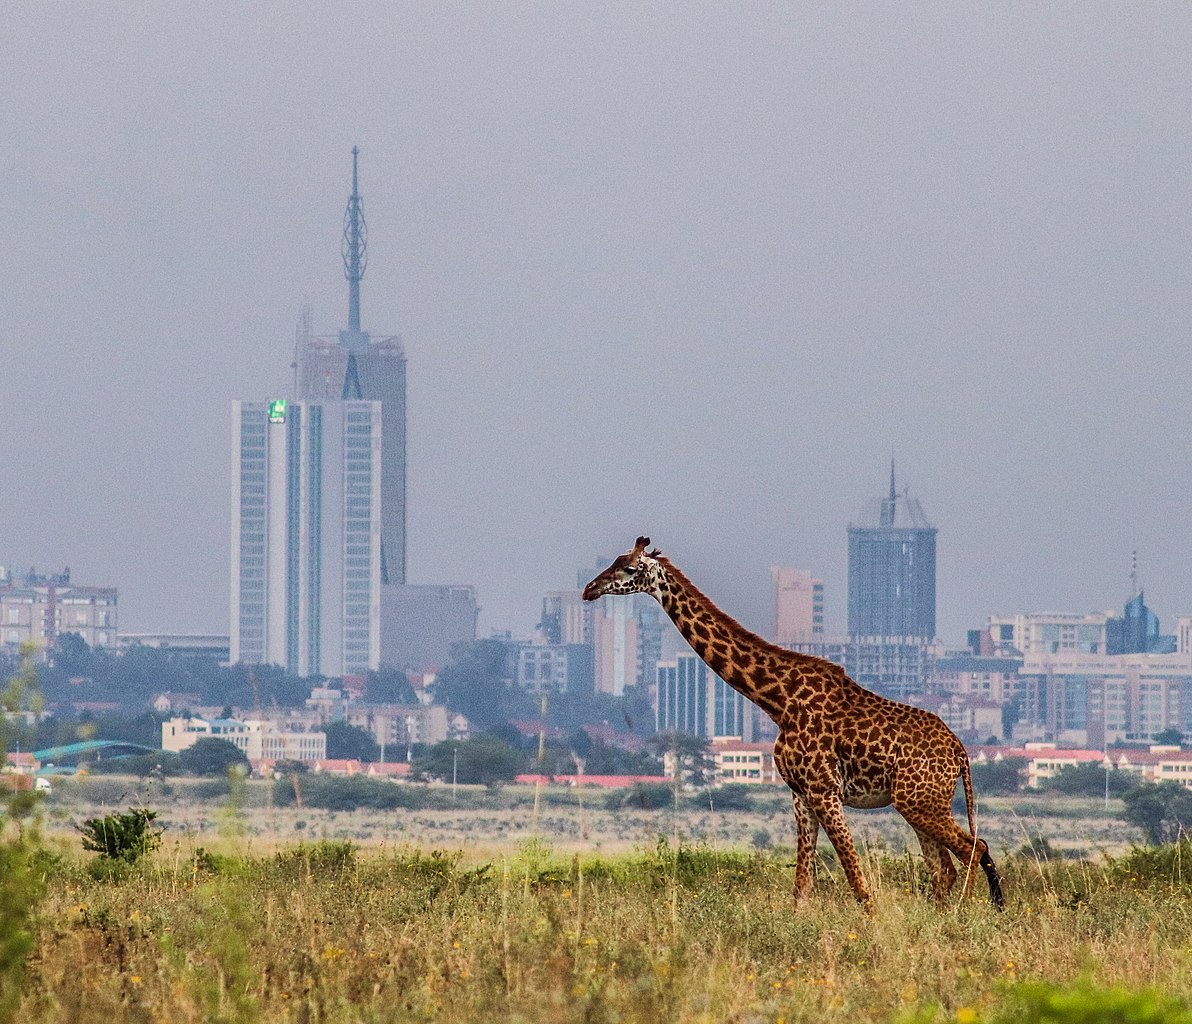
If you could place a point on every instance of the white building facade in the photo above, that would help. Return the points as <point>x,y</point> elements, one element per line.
<point>306,536</point>
<point>259,739</point>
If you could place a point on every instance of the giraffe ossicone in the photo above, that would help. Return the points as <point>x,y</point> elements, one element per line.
<point>839,745</point>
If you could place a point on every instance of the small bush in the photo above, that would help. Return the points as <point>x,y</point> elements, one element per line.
<point>733,797</point>
<point>320,859</point>
<point>1168,864</point>
<point>122,837</point>
<point>761,839</point>
<point>649,796</point>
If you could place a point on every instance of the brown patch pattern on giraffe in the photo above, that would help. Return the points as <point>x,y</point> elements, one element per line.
<point>839,745</point>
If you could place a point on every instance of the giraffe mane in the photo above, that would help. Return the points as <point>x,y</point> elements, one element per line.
<point>706,604</point>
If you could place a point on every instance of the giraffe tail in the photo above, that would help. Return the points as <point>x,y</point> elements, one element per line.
<point>996,896</point>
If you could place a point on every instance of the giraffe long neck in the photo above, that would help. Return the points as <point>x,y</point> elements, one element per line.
<point>745,661</point>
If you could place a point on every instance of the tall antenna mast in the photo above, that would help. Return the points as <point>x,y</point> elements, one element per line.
<point>354,250</point>
<point>890,505</point>
<point>355,247</point>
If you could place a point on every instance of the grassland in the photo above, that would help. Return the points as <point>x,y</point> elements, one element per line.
<point>241,916</point>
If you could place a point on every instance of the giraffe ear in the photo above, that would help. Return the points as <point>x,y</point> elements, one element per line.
<point>655,553</point>
<point>641,545</point>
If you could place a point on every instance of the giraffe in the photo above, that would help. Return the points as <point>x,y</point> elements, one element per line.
<point>839,745</point>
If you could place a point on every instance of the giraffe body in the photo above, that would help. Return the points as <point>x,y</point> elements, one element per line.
<point>839,745</point>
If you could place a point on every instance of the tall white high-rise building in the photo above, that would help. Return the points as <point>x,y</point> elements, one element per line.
<point>306,535</point>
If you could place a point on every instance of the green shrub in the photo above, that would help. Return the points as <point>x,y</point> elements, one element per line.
<point>1168,864</point>
<point>1085,1003</point>
<point>327,857</point>
<point>648,796</point>
<point>122,837</point>
<point>735,796</point>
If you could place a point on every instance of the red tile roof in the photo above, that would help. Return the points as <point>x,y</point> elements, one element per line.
<point>603,781</point>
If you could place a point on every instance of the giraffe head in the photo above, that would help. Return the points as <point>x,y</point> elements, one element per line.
<point>634,572</point>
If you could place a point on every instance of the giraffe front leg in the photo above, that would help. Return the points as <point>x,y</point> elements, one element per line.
<point>828,809</point>
<point>807,832</point>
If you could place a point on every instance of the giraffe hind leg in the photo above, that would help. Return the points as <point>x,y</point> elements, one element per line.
<point>939,866</point>
<point>934,819</point>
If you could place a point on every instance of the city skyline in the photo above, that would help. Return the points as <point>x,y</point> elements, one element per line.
<point>687,276</point>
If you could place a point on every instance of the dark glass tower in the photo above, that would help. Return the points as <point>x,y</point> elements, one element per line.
<point>891,571</point>
<point>354,365</point>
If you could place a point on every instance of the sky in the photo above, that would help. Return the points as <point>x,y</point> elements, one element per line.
<point>693,271</point>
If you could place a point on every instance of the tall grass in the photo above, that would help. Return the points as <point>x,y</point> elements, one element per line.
<point>322,932</point>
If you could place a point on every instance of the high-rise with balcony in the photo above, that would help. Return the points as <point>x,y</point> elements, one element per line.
<point>306,536</point>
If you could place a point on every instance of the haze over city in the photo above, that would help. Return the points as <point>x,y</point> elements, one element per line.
<point>694,272</point>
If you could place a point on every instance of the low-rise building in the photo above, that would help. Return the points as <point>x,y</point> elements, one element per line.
<point>37,609</point>
<point>395,726</point>
<point>191,646</point>
<point>599,781</point>
<point>337,766</point>
<point>18,762</point>
<point>748,763</point>
<point>259,739</point>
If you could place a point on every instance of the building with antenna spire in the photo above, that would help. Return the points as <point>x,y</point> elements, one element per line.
<point>353,365</point>
<point>891,644</point>
<point>891,571</point>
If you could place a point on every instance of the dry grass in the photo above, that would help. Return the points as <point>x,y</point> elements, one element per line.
<point>320,934</point>
<point>582,915</point>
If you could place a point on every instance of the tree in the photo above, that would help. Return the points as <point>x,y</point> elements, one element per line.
<point>602,759</point>
<point>389,686</point>
<point>348,742</point>
<point>72,655</point>
<point>1163,810</point>
<point>1169,738</point>
<point>998,778</point>
<point>1089,780</point>
<point>484,760</point>
<point>212,756</point>
<point>478,684</point>
<point>690,760</point>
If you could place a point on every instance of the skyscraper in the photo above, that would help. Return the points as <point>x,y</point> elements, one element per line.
<point>891,571</point>
<point>354,365</point>
<point>306,551</point>
<point>798,604</point>
<point>692,699</point>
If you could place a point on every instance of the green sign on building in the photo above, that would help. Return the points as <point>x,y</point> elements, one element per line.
<point>277,411</point>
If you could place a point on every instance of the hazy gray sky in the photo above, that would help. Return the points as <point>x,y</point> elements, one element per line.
<point>692,272</point>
